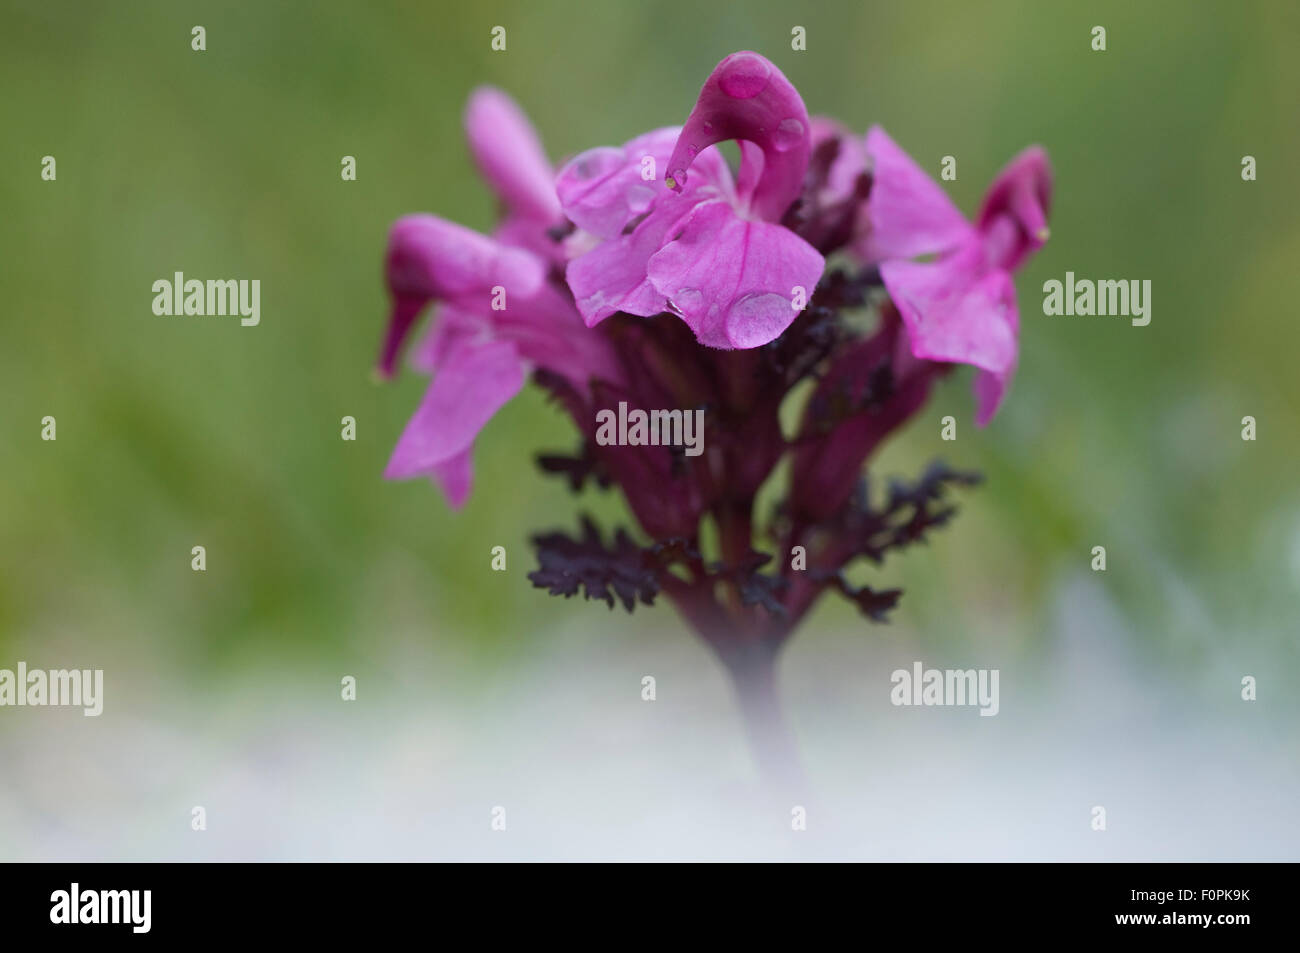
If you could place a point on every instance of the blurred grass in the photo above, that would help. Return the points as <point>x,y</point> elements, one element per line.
<point>179,432</point>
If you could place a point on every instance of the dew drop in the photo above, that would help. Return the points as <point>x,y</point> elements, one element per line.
<point>788,135</point>
<point>745,76</point>
<point>756,318</point>
<point>688,300</point>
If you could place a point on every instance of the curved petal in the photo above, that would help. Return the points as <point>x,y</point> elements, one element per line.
<point>733,280</point>
<point>747,98</point>
<point>958,312</point>
<point>430,258</point>
<point>473,384</point>
<point>909,213</point>
<point>604,190</point>
<point>612,276</point>
<point>510,156</point>
<point>1022,194</point>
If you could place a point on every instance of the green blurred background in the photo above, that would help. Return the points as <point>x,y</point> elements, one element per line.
<point>175,432</point>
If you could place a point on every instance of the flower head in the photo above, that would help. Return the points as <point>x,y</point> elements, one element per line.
<point>648,278</point>
<point>961,307</point>
<point>693,242</point>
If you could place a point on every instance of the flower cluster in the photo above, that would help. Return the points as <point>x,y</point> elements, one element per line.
<point>652,276</point>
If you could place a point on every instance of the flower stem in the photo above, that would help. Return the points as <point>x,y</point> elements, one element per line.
<point>750,660</point>
<point>754,676</point>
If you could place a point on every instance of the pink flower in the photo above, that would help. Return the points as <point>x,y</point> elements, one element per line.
<point>646,280</point>
<point>707,249</point>
<point>501,313</point>
<point>961,307</point>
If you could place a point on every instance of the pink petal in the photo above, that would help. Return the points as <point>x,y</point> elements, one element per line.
<point>612,276</point>
<point>958,311</point>
<point>733,280</point>
<point>549,332</point>
<point>429,258</point>
<point>452,328</point>
<point>510,156</point>
<point>750,175</point>
<point>910,214</point>
<point>473,384</point>
<point>433,258</point>
<point>545,328</point>
<point>1021,194</point>
<point>747,98</point>
<point>603,190</point>
<point>518,231</point>
<point>989,389</point>
<point>455,476</point>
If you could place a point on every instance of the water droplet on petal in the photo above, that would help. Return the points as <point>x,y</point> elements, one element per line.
<point>688,300</point>
<point>788,135</point>
<point>745,76</point>
<point>692,151</point>
<point>757,318</point>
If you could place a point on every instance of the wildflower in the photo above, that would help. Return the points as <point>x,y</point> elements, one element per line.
<point>648,282</point>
